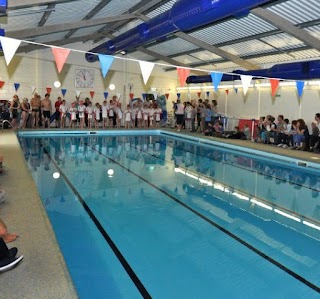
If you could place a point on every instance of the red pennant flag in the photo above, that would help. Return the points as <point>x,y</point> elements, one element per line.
<point>60,56</point>
<point>131,95</point>
<point>227,91</point>
<point>167,96</point>
<point>92,94</point>
<point>183,75</point>
<point>274,86</point>
<point>199,94</point>
<point>1,84</point>
<point>49,90</point>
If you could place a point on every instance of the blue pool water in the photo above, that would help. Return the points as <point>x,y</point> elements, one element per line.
<point>155,216</point>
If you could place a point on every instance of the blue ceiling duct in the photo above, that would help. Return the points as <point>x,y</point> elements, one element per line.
<point>306,70</point>
<point>185,15</point>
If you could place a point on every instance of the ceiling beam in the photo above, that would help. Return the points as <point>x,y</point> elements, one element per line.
<point>90,15</point>
<point>58,43</point>
<point>250,56</point>
<point>141,7</point>
<point>32,32</point>
<point>46,15</point>
<point>19,4</point>
<point>287,27</point>
<point>160,57</point>
<point>213,49</point>
<point>251,37</point>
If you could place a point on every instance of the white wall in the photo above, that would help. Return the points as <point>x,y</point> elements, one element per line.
<point>38,69</point>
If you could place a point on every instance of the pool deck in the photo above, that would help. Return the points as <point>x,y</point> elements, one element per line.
<point>43,273</point>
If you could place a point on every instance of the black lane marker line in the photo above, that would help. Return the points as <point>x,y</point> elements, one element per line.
<point>216,225</point>
<point>143,291</point>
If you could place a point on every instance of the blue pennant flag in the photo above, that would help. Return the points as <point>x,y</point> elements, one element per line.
<point>216,79</point>
<point>236,90</point>
<point>179,95</point>
<point>300,87</point>
<point>208,94</point>
<point>105,95</point>
<point>63,91</point>
<point>16,86</point>
<point>105,62</point>
<point>144,96</point>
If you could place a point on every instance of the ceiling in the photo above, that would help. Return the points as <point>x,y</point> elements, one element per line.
<point>282,31</point>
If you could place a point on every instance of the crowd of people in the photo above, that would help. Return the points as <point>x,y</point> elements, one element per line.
<point>82,113</point>
<point>191,116</point>
<point>294,135</point>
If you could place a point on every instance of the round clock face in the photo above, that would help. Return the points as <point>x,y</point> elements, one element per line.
<point>84,78</point>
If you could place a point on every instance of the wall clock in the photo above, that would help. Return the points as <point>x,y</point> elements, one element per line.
<point>84,78</point>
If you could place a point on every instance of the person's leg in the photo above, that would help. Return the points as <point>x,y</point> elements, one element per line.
<point>4,233</point>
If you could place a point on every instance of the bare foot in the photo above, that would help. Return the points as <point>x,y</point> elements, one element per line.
<point>9,237</point>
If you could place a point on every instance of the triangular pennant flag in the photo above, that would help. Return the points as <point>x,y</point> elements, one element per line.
<point>92,94</point>
<point>236,90</point>
<point>118,96</point>
<point>16,86</point>
<point>167,96</point>
<point>300,87</point>
<point>227,91</point>
<point>49,89</point>
<point>78,92</point>
<point>105,95</point>
<point>146,70</point>
<point>33,89</point>
<point>131,95</point>
<point>245,80</point>
<point>274,86</point>
<point>105,63</point>
<point>178,95</point>
<point>60,56</point>
<point>1,84</point>
<point>63,92</point>
<point>216,79</point>
<point>144,96</point>
<point>9,47</point>
<point>183,75</point>
<point>199,94</point>
<point>208,94</point>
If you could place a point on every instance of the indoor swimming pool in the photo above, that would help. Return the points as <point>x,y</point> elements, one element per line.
<point>151,214</point>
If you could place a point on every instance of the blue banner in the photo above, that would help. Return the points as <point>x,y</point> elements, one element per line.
<point>63,91</point>
<point>16,86</point>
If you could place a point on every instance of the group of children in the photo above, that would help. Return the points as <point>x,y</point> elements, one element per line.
<point>141,115</point>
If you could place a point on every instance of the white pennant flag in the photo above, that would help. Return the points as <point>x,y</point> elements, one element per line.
<point>245,80</point>
<point>118,96</point>
<point>9,47</point>
<point>146,70</point>
<point>78,92</point>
